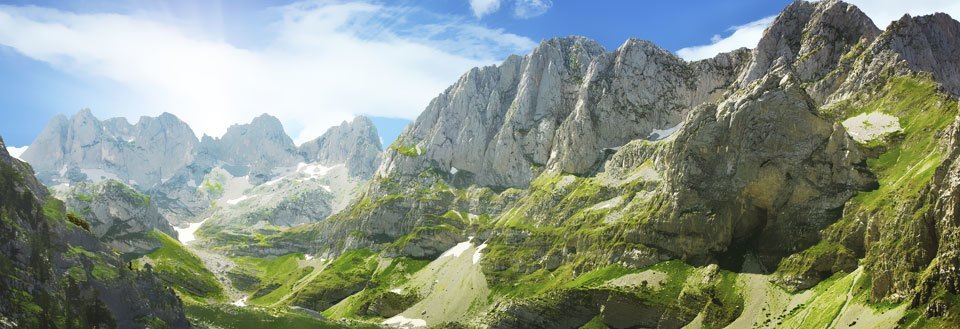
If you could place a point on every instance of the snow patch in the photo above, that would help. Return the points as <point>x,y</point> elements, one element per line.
<point>477,255</point>
<point>400,321</point>
<point>274,181</point>
<point>96,174</point>
<point>185,234</point>
<point>192,183</point>
<point>659,134</point>
<point>237,200</point>
<point>608,204</point>
<point>326,188</point>
<point>242,302</point>
<point>458,249</point>
<point>453,170</point>
<point>869,126</point>
<point>314,170</point>
<point>397,291</point>
<point>307,256</point>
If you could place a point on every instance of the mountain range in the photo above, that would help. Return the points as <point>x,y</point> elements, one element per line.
<point>810,182</point>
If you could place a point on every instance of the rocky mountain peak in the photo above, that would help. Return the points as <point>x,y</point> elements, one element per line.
<point>355,144</point>
<point>83,146</point>
<point>810,37</point>
<point>927,43</point>
<point>559,108</point>
<point>265,134</point>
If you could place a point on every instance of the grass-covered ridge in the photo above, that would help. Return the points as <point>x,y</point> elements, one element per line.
<point>182,270</point>
<point>880,225</point>
<point>229,316</point>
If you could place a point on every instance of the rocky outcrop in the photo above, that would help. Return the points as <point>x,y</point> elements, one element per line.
<point>235,150</point>
<point>355,144</point>
<point>82,147</point>
<point>559,107</point>
<point>927,44</point>
<point>56,274</point>
<point>761,170</point>
<point>809,37</point>
<point>118,215</point>
<point>161,157</point>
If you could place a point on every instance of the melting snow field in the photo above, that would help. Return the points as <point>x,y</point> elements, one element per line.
<point>401,322</point>
<point>477,255</point>
<point>457,250</point>
<point>304,171</point>
<point>237,200</point>
<point>97,175</point>
<point>241,302</point>
<point>868,126</point>
<point>658,134</point>
<point>313,170</point>
<point>186,234</point>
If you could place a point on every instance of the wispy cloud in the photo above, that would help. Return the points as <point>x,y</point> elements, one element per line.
<point>326,61</point>
<point>484,7</point>
<point>16,151</point>
<point>747,35</point>
<point>882,12</point>
<point>531,8</point>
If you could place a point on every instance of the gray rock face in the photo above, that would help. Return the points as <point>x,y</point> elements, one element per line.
<point>762,171</point>
<point>118,215</point>
<point>81,281</point>
<point>253,148</point>
<point>354,143</point>
<point>143,154</point>
<point>755,164</point>
<point>810,37</point>
<point>557,108</point>
<point>162,157</point>
<point>927,44</point>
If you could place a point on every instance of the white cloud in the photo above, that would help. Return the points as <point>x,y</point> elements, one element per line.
<point>484,7</point>
<point>882,12</point>
<point>747,35</point>
<point>531,8</point>
<point>326,62</point>
<point>16,151</point>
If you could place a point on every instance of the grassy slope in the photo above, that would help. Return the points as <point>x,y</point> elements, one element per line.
<point>233,317</point>
<point>183,270</point>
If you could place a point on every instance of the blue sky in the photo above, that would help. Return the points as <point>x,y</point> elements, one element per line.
<point>314,64</point>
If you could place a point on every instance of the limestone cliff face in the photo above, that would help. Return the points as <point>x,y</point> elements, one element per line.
<point>810,38</point>
<point>83,147</point>
<point>354,143</point>
<point>118,215</point>
<point>255,148</point>
<point>559,107</point>
<point>760,171</point>
<point>56,274</point>
<point>161,157</point>
<point>758,163</point>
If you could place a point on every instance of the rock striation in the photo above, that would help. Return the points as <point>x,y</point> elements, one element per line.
<point>560,107</point>
<point>355,143</point>
<point>84,148</point>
